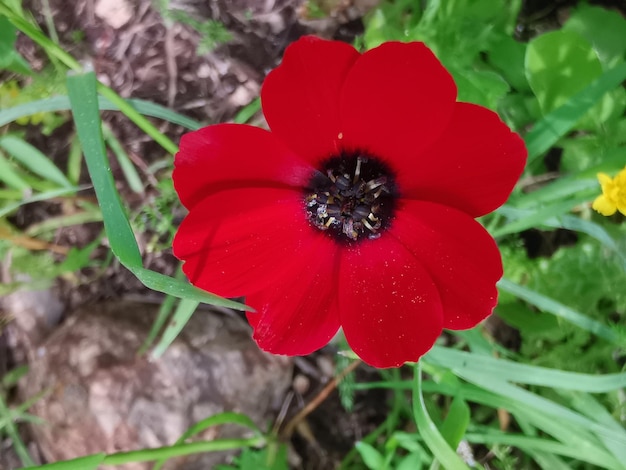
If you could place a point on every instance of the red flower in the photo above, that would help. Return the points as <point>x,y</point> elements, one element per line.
<point>357,209</point>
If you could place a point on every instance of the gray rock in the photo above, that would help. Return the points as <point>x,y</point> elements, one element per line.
<point>103,397</point>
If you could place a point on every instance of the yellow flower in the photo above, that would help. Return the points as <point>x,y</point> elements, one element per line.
<point>613,197</point>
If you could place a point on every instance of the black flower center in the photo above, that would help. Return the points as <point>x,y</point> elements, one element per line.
<point>352,197</point>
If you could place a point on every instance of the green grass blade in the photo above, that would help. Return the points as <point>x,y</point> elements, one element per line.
<point>557,123</point>
<point>549,305</point>
<point>549,462</point>
<point>39,197</point>
<point>181,289</point>
<point>179,319</point>
<point>460,361</point>
<point>55,103</point>
<point>533,444</point>
<point>81,89</point>
<point>157,325</point>
<point>130,173</point>
<point>590,407</point>
<point>550,410</point>
<point>227,417</point>
<point>83,98</point>
<point>567,426</point>
<point>10,177</point>
<point>62,103</point>
<point>429,432</point>
<point>246,113</point>
<point>155,110</point>
<point>532,218</point>
<point>90,462</point>
<point>456,422</point>
<point>30,157</point>
<point>179,450</point>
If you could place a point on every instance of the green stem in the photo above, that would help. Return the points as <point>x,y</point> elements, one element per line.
<point>181,449</point>
<point>139,119</point>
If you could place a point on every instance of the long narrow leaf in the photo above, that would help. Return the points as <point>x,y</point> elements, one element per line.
<point>62,103</point>
<point>503,369</point>
<point>429,432</point>
<point>39,197</point>
<point>83,99</point>
<point>30,157</point>
<point>181,316</point>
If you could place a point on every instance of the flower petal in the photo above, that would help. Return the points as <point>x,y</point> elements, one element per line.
<point>298,314</point>
<point>390,308</point>
<point>240,241</point>
<point>233,155</point>
<point>605,181</point>
<point>604,206</point>
<point>396,101</point>
<point>460,255</point>
<point>301,96</point>
<point>473,166</point>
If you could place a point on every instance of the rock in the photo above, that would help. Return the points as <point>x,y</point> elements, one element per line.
<point>103,397</point>
<point>116,13</point>
<point>35,312</point>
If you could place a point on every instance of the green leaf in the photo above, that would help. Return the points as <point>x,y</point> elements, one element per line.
<point>456,422</point>
<point>525,219</point>
<point>84,102</point>
<point>127,167</point>
<point>372,458</point>
<point>461,362</point>
<point>82,92</point>
<point>246,113</point>
<point>8,208</point>
<point>90,462</point>
<point>10,59</point>
<point>62,103</point>
<point>560,64</point>
<point>508,56</point>
<point>558,122</point>
<point>410,462</point>
<point>10,177</point>
<point>227,417</point>
<point>549,305</point>
<point>30,157</point>
<point>483,87</point>
<point>182,314</point>
<point>530,444</point>
<point>440,448</point>
<point>603,28</point>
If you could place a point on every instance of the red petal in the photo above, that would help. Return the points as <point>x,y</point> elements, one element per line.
<point>390,307</point>
<point>237,242</point>
<point>227,156</point>
<point>396,101</point>
<point>301,96</point>
<point>473,166</point>
<point>460,255</point>
<point>298,314</point>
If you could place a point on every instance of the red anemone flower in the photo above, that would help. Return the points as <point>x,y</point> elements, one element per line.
<point>357,209</point>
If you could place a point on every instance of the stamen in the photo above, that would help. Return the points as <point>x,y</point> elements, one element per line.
<point>355,200</point>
